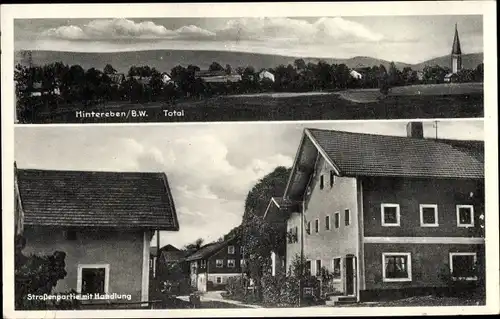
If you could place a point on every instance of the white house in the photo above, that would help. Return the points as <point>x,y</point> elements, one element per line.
<point>266,75</point>
<point>356,75</point>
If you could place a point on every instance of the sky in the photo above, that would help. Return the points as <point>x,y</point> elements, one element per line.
<point>409,39</point>
<point>210,167</point>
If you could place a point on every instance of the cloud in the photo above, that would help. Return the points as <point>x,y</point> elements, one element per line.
<point>323,30</point>
<point>286,29</point>
<point>116,29</point>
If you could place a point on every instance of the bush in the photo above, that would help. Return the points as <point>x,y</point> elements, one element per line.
<point>236,288</point>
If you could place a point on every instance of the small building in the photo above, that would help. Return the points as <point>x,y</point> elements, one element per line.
<point>166,78</point>
<point>355,74</point>
<point>142,80</point>
<point>102,221</point>
<point>212,265</point>
<point>266,75</point>
<point>217,76</point>
<point>404,213</point>
<point>167,255</point>
<point>451,78</point>
<point>116,79</point>
<point>39,90</point>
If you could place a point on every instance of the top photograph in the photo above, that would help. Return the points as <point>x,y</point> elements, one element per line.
<point>133,70</point>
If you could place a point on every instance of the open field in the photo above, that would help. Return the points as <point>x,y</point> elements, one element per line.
<point>418,101</point>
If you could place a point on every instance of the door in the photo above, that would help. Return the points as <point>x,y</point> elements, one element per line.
<point>350,275</point>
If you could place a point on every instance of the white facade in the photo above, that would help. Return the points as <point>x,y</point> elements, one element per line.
<point>266,75</point>
<point>355,74</point>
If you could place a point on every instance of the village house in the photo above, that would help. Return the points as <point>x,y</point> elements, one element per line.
<point>102,221</point>
<point>116,79</point>
<point>39,90</point>
<point>355,74</point>
<point>217,76</point>
<point>264,74</point>
<point>386,215</point>
<point>167,255</point>
<point>212,265</point>
<point>456,59</point>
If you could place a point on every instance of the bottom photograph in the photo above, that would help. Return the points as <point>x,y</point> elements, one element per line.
<point>250,215</point>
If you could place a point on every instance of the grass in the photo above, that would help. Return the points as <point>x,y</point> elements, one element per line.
<point>460,101</point>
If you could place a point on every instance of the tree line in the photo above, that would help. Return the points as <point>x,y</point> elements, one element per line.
<point>61,84</point>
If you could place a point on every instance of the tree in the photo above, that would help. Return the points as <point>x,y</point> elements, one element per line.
<point>299,64</point>
<point>193,247</point>
<point>215,67</point>
<point>479,73</point>
<point>394,77</point>
<point>258,236</point>
<point>228,69</point>
<point>38,275</point>
<point>383,80</point>
<point>109,69</point>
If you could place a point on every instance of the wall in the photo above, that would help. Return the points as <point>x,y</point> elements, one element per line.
<point>409,194</point>
<point>427,260</point>
<point>328,244</point>
<point>123,251</point>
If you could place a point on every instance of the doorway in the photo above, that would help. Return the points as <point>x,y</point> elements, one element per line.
<point>350,275</point>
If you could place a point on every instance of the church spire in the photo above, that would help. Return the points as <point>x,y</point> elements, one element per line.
<point>456,43</point>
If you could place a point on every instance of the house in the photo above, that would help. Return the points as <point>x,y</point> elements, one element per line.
<point>451,78</point>
<point>264,74</point>
<point>103,221</point>
<point>116,79</point>
<point>386,215</point>
<point>167,255</point>
<point>39,90</point>
<point>166,78</point>
<point>272,215</point>
<point>142,80</point>
<point>355,74</point>
<point>217,76</point>
<point>212,265</point>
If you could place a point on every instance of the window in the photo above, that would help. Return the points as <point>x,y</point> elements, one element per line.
<point>231,263</point>
<point>308,228</point>
<point>428,215</point>
<point>390,214</point>
<point>347,217</point>
<point>93,279</point>
<point>308,267</point>
<point>318,267</point>
<point>463,265</point>
<point>396,266</point>
<point>337,269</point>
<point>230,250</point>
<point>337,220</point>
<point>219,263</point>
<point>203,263</point>
<point>218,280</point>
<point>465,216</point>
<point>70,235</point>
<point>242,263</point>
<point>316,225</point>
<point>327,222</point>
<point>332,178</point>
<point>321,182</point>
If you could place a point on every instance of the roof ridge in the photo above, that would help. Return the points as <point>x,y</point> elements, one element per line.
<point>392,136</point>
<point>86,171</point>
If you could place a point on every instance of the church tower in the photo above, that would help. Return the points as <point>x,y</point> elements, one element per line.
<point>456,53</point>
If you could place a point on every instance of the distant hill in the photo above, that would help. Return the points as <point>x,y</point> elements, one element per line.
<point>165,60</point>
<point>469,61</point>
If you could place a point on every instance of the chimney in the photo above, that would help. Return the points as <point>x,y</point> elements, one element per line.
<point>415,130</point>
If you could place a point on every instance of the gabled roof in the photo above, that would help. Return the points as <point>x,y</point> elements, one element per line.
<point>356,154</point>
<point>96,199</point>
<point>208,250</point>
<point>456,49</point>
